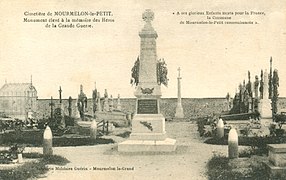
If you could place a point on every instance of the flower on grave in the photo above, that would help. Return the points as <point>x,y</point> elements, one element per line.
<point>16,149</point>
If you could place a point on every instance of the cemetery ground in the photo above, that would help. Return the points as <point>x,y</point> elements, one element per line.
<point>196,157</point>
<point>188,162</point>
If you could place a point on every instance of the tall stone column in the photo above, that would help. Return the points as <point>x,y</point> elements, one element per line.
<point>148,125</point>
<point>265,103</point>
<point>179,109</point>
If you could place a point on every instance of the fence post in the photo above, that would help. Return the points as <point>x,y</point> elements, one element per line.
<point>107,127</point>
<point>103,124</point>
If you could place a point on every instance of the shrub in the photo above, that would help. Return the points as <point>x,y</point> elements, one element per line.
<point>35,138</point>
<point>220,167</point>
<point>32,169</point>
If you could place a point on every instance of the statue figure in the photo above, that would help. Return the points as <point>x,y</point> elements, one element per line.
<point>135,73</point>
<point>162,72</point>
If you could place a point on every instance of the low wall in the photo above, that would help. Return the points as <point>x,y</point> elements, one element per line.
<point>193,107</point>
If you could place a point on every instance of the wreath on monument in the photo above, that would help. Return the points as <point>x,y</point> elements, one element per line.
<point>162,72</point>
<point>135,73</point>
<point>161,68</point>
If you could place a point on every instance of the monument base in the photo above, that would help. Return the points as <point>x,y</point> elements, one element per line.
<point>265,109</point>
<point>274,171</point>
<point>179,112</point>
<point>148,135</point>
<point>167,145</point>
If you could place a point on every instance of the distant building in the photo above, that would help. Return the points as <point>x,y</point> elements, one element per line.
<point>18,100</point>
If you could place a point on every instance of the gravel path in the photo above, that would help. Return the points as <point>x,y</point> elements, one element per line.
<point>188,162</point>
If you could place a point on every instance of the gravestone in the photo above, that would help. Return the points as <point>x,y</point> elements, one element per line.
<point>276,166</point>
<point>148,125</point>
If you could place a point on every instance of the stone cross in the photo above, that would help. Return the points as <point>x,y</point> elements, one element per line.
<point>111,103</point>
<point>148,16</point>
<point>179,109</point>
<point>52,104</point>
<point>118,103</point>
<point>60,93</point>
<point>179,70</point>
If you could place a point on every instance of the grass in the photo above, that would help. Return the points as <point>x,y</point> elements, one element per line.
<point>35,139</point>
<point>222,168</point>
<point>32,169</point>
<point>259,144</point>
<point>125,134</point>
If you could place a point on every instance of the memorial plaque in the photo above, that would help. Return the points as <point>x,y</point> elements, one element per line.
<point>147,106</point>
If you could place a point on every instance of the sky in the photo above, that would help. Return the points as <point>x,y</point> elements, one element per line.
<point>214,59</point>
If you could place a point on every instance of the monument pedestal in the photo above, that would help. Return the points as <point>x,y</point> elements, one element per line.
<point>148,135</point>
<point>148,125</point>
<point>265,109</point>
<point>167,145</point>
<point>179,112</point>
<point>276,166</point>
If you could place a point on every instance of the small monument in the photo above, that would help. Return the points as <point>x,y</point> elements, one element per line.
<point>52,104</point>
<point>179,109</point>
<point>265,103</point>
<point>82,103</point>
<point>148,125</point>
<point>106,101</point>
<point>70,106</point>
<point>118,107</point>
<point>99,109</point>
<point>63,124</point>
<point>111,103</point>
<point>48,141</point>
<point>94,99</point>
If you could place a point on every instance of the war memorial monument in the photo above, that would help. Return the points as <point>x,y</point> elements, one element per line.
<point>148,125</point>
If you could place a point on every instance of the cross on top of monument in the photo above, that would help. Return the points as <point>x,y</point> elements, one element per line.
<point>179,70</point>
<point>148,15</point>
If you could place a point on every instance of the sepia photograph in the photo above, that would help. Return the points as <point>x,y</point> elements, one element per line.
<point>134,89</point>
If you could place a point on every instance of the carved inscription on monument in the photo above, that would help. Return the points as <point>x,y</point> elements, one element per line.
<point>147,106</point>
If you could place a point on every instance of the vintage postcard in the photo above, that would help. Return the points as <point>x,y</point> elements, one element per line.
<point>142,89</point>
